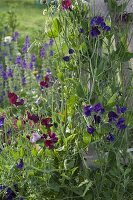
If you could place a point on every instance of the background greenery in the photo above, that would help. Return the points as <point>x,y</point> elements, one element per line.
<point>29,15</point>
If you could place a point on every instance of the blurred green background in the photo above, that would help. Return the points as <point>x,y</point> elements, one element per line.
<point>29,15</point>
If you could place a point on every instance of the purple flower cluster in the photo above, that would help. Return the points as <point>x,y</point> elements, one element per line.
<point>26,44</point>
<point>67,58</point>
<point>97,23</point>
<point>9,192</point>
<point>15,36</point>
<point>42,52</point>
<point>1,121</point>
<point>117,118</point>
<point>114,118</point>
<point>20,165</point>
<point>24,63</point>
<point>5,74</point>
<point>94,110</point>
<point>45,47</point>
<point>23,80</point>
<point>81,30</point>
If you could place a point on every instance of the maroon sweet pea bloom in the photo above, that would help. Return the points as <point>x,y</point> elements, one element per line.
<point>53,137</point>
<point>49,144</point>
<point>47,81</point>
<point>66,4</point>
<point>14,99</point>
<point>33,117</point>
<point>46,122</point>
<point>50,140</point>
<point>19,103</point>
<point>44,84</point>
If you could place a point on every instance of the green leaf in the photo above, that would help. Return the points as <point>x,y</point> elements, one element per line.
<point>70,138</point>
<point>21,152</point>
<point>34,152</point>
<point>55,29</point>
<point>87,188</point>
<point>112,100</point>
<point>60,76</point>
<point>86,138</point>
<point>19,124</point>
<point>127,56</point>
<point>83,183</point>
<point>80,91</point>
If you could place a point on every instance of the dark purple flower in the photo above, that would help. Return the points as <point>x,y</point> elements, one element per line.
<point>42,53</point>
<point>33,117</point>
<point>51,41</point>
<point>18,60</point>
<point>1,121</point>
<point>20,165</point>
<point>120,124</point>
<point>121,109</point>
<point>10,194</point>
<point>81,30</point>
<point>38,77</point>
<point>106,28</point>
<point>5,54</point>
<point>51,53</point>
<point>27,41</point>
<point>97,119</point>
<point>90,129</point>
<point>98,108</point>
<point>24,49</point>
<point>48,71</point>
<point>24,64</point>
<point>71,51</point>
<point>46,45</point>
<point>23,79</point>
<point>15,36</point>
<point>110,137</point>
<point>112,116</point>
<point>31,65</point>
<point>88,110</point>
<point>4,75</point>
<point>94,32</point>
<point>2,187</point>
<point>102,25</point>
<point>96,21</point>
<point>33,58</point>
<point>66,58</point>
<point>10,73</point>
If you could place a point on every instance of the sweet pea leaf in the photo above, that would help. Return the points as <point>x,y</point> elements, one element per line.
<point>86,138</point>
<point>55,29</point>
<point>19,124</point>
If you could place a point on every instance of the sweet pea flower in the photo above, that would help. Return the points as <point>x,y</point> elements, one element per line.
<point>35,137</point>
<point>1,121</point>
<point>14,99</point>
<point>66,4</point>
<point>20,165</point>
